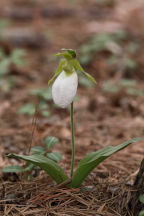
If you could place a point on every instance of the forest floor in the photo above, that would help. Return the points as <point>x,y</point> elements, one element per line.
<point>102,117</point>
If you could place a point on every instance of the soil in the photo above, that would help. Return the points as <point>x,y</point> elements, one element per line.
<point>102,118</point>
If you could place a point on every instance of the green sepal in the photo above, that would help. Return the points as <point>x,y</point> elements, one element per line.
<point>77,66</point>
<point>67,55</point>
<point>58,71</point>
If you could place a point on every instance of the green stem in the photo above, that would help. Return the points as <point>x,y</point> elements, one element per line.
<point>72,134</point>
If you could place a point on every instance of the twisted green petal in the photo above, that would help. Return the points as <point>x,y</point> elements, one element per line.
<point>59,69</point>
<point>77,66</point>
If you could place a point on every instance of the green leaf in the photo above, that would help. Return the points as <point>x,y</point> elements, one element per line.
<point>89,162</point>
<point>58,71</point>
<point>51,167</point>
<point>86,59</point>
<point>50,141</point>
<point>38,149</point>
<point>43,105</point>
<point>113,60</point>
<point>130,63</point>
<point>29,167</point>
<point>4,66</point>
<point>7,83</point>
<point>12,169</point>
<point>28,109</point>
<point>17,57</point>
<point>45,113</point>
<point>141,198</point>
<point>111,87</point>
<point>141,213</point>
<point>77,66</point>
<point>45,93</point>
<point>127,82</point>
<point>135,92</point>
<point>55,156</point>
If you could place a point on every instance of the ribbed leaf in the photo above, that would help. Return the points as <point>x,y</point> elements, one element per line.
<point>55,156</point>
<point>38,149</point>
<point>50,141</point>
<point>12,169</point>
<point>89,162</point>
<point>51,167</point>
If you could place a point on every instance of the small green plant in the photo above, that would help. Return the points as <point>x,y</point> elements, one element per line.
<point>43,96</point>
<point>30,109</point>
<point>119,52</point>
<point>42,93</point>
<point>141,199</point>
<point>128,85</point>
<point>35,151</point>
<point>64,90</point>
<point>16,57</point>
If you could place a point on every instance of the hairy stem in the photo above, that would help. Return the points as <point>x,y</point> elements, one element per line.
<point>73,146</point>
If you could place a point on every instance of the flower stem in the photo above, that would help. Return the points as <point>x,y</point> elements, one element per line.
<point>72,134</point>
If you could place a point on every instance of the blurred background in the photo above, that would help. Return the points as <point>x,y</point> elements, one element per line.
<point>108,36</point>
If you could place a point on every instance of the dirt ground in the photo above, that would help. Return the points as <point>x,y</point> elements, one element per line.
<point>102,118</point>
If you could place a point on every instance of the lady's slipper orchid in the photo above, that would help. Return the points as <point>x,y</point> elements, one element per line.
<point>64,89</point>
<point>65,86</point>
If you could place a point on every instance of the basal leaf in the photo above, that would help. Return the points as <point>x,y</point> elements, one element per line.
<point>89,162</point>
<point>55,156</point>
<point>29,167</point>
<point>38,149</point>
<point>51,167</point>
